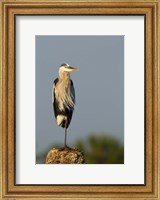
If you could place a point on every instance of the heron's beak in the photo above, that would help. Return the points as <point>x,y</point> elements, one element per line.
<point>70,69</point>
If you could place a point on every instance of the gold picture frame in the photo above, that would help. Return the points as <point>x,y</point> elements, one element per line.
<point>9,9</point>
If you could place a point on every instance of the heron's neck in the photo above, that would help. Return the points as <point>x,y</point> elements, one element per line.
<point>64,76</point>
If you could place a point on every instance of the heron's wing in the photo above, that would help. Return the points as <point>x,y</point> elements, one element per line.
<point>73,92</point>
<point>53,89</point>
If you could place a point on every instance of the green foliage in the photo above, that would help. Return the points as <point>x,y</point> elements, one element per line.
<point>97,149</point>
<point>101,150</point>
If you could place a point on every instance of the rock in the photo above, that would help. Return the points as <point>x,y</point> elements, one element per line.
<point>65,156</point>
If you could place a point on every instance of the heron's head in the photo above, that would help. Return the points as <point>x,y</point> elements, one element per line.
<point>66,68</point>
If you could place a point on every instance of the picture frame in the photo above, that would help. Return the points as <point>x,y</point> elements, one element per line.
<point>9,189</point>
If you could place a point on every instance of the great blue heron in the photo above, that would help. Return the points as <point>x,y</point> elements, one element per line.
<point>63,97</point>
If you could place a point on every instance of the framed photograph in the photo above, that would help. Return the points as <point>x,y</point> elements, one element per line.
<point>79,99</point>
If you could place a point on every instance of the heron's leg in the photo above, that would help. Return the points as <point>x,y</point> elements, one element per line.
<point>65,137</point>
<point>65,140</point>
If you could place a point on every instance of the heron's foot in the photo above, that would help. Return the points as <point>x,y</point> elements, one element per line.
<point>65,147</point>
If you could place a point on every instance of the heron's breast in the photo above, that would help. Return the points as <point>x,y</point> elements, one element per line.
<point>63,97</point>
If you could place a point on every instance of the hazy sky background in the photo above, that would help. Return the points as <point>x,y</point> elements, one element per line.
<point>99,87</point>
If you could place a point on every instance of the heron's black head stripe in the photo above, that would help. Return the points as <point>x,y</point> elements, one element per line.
<point>64,65</point>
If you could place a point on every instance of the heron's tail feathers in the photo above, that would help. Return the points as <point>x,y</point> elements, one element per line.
<point>61,120</point>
